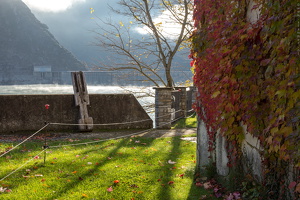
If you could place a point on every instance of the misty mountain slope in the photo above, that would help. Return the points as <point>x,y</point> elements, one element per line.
<point>25,42</point>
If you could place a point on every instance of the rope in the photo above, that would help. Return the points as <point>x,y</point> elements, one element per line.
<point>123,136</point>
<point>24,141</point>
<point>191,115</point>
<point>67,124</point>
<point>22,165</point>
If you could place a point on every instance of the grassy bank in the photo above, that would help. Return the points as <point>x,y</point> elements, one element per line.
<point>130,168</point>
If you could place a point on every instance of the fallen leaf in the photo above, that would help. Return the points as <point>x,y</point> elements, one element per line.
<point>84,195</point>
<point>2,189</point>
<point>110,189</point>
<point>171,162</point>
<point>198,184</point>
<point>134,186</point>
<point>39,175</point>
<point>207,185</point>
<point>171,182</point>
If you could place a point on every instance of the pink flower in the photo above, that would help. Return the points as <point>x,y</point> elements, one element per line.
<point>110,189</point>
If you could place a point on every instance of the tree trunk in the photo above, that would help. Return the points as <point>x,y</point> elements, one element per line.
<point>170,82</point>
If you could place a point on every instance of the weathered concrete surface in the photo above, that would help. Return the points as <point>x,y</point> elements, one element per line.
<point>27,112</point>
<point>203,154</point>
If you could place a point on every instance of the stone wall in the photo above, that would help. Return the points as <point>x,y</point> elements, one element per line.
<point>27,112</point>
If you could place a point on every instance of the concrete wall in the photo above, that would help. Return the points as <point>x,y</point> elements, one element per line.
<point>251,160</point>
<point>27,112</point>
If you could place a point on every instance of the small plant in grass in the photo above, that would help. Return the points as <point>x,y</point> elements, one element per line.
<point>132,168</point>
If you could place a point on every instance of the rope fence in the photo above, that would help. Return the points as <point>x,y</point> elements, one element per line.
<point>14,171</point>
<point>83,143</point>
<point>24,141</point>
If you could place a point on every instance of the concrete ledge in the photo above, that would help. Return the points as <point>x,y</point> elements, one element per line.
<point>27,112</point>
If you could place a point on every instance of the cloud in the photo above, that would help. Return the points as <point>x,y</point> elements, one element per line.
<point>166,24</point>
<point>51,5</point>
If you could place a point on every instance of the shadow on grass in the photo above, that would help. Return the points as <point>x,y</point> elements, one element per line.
<point>86,175</point>
<point>165,192</point>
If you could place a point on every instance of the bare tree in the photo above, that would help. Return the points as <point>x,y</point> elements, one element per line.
<point>152,53</point>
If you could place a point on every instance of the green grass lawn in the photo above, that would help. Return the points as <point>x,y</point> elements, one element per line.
<point>190,122</point>
<point>130,168</point>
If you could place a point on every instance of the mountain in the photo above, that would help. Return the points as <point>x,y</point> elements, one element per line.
<point>28,51</point>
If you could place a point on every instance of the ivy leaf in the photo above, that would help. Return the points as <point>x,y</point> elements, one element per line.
<point>230,121</point>
<point>215,94</point>
<point>292,185</point>
<point>265,62</point>
<point>269,140</point>
<point>286,131</point>
<point>280,93</point>
<point>274,130</point>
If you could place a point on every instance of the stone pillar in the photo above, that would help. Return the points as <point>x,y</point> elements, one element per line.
<point>183,101</point>
<point>163,107</point>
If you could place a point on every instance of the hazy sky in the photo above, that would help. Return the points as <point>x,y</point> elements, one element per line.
<point>71,22</point>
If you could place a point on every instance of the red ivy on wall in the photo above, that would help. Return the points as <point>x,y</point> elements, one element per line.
<point>247,72</point>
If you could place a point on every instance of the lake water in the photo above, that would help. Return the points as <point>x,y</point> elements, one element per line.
<point>145,101</point>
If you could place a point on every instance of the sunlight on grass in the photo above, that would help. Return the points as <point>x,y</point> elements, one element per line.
<point>190,122</point>
<point>132,168</point>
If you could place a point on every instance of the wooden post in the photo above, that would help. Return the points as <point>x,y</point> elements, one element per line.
<point>82,100</point>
